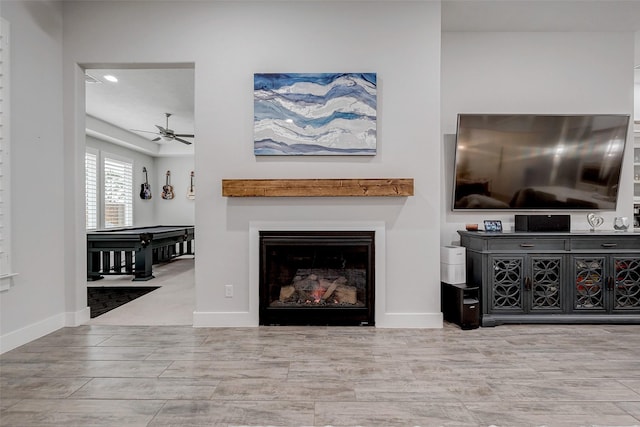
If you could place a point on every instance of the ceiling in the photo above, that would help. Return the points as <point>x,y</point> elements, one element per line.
<point>142,96</point>
<point>126,112</point>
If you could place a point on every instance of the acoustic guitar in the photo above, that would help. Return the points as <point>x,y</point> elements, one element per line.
<point>167,189</point>
<point>191,193</point>
<point>145,188</point>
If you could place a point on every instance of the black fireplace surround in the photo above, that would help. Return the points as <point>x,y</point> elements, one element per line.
<point>317,278</point>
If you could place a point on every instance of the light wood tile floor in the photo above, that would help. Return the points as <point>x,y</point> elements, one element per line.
<point>536,375</point>
<point>144,365</point>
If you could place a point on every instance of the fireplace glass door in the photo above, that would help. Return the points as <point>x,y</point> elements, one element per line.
<point>316,278</point>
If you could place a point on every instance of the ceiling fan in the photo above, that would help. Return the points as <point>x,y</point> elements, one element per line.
<point>166,134</point>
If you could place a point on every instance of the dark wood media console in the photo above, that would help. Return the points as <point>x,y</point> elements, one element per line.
<point>561,277</point>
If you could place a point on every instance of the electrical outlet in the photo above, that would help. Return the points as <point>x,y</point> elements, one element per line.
<point>228,291</point>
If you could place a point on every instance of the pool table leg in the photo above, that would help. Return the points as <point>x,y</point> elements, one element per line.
<point>93,266</point>
<point>144,264</point>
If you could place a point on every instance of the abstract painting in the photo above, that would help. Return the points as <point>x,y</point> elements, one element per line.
<point>315,114</point>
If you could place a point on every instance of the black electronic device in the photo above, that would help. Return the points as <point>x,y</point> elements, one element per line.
<point>529,162</point>
<point>542,223</point>
<point>460,305</point>
<point>470,313</point>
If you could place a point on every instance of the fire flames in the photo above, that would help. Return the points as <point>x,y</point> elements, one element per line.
<point>317,294</point>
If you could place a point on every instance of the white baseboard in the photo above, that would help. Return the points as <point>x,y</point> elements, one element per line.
<point>410,320</point>
<point>31,332</point>
<point>79,317</point>
<point>39,329</point>
<point>241,319</point>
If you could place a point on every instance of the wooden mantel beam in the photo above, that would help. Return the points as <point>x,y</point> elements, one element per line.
<point>358,187</point>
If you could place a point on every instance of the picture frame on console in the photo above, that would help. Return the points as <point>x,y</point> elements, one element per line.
<point>493,226</point>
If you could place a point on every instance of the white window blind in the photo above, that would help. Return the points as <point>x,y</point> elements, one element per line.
<point>6,270</point>
<point>91,190</point>
<point>118,193</point>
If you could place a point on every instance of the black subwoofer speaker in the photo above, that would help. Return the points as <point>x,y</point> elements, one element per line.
<point>460,304</point>
<point>542,223</point>
<point>470,316</point>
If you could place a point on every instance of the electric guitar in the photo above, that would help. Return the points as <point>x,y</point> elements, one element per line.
<point>145,189</point>
<point>191,193</point>
<point>167,189</point>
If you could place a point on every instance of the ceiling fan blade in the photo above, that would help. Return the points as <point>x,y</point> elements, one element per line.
<point>167,134</point>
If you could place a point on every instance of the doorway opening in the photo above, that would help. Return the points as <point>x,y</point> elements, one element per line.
<point>140,173</point>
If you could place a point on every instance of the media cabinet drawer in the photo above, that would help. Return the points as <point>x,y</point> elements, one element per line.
<point>526,244</point>
<point>604,243</point>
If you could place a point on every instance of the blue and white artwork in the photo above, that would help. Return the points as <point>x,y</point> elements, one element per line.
<point>314,114</point>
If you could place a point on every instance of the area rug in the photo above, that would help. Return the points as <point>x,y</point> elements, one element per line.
<point>102,299</point>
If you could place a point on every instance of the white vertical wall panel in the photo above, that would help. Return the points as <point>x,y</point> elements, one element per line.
<point>6,270</point>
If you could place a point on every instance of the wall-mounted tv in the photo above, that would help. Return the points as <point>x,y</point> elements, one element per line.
<point>538,162</point>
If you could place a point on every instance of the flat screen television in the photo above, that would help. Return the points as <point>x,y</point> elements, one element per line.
<point>538,162</point>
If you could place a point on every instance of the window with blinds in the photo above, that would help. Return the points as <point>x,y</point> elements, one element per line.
<point>91,190</point>
<point>6,270</point>
<point>118,193</point>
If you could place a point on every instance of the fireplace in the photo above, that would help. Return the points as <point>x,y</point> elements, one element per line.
<point>316,278</point>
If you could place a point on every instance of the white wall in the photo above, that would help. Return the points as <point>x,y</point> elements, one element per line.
<point>35,305</point>
<point>228,42</point>
<point>551,73</point>
<point>179,210</point>
<point>636,96</point>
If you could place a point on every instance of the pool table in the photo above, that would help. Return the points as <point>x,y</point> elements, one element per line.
<point>141,247</point>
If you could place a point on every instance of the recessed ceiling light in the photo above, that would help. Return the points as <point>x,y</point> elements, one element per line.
<point>111,78</point>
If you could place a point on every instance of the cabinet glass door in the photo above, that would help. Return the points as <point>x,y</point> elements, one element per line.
<point>589,283</point>
<point>626,289</point>
<point>507,278</point>
<point>546,275</point>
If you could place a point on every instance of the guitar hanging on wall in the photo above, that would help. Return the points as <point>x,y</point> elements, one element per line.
<point>167,189</point>
<point>191,192</point>
<point>145,188</point>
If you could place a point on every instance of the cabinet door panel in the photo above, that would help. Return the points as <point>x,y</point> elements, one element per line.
<point>626,290</point>
<point>507,275</point>
<point>588,273</point>
<point>546,277</point>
